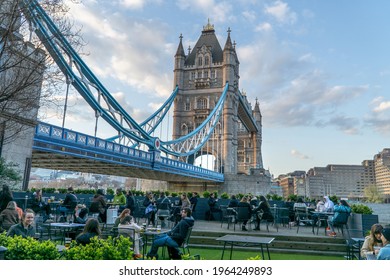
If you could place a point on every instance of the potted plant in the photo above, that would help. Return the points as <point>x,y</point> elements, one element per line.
<point>361,219</point>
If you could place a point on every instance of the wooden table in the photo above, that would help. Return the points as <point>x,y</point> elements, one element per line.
<point>245,241</point>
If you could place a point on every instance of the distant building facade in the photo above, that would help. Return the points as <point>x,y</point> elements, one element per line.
<point>382,172</point>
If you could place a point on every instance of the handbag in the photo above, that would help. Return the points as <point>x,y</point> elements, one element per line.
<point>150,208</point>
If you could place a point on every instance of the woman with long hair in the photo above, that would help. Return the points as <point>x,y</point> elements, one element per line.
<point>91,229</point>
<point>25,227</point>
<point>372,240</point>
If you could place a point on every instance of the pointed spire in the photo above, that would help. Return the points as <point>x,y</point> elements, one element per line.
<point>180,49</point>
<point>228,44</point>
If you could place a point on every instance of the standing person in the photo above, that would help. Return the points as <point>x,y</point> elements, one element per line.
<point>91,229</point>
<point>5,197</point>
<point>119,199</point>
<point>163,208</point>
<point>384,252</point>
<point>40,206</point>
<point>372,240</point>
<point>25,227</point>
<point>194,201</point>
<point>175,237</point>
<point>150,208</point>
<point>9,216</point>
<point>343,207</point>
<point>130,202</point>
<point>99,205</point>
<point>129,223</point>
<point>213,207</point>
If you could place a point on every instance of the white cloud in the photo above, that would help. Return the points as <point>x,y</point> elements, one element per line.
<point>298,154</point>
<point>249,15</point>
<point>281,12</point>
<point>265,26</point>
<point>215,11</point>
<point>382,106</point>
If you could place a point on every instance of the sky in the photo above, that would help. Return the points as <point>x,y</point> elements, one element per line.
<point>320,69</point>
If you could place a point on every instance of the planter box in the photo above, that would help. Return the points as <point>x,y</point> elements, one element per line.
<point>360,224</point>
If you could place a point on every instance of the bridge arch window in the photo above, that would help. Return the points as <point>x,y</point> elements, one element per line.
<point>202,103</point>
<point>187,106</point>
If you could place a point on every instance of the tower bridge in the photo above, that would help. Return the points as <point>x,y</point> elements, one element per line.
<point>210,117</point>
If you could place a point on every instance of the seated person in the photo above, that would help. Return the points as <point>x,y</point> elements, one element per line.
<point>40,206</point>
<point>245,208</point>
<point>25,227</point>
<point>91,229</point>
<point>69,203</point>
<point>384,253</point>
<point>9,216</point>
<point>80,214</point>
<point>343,207</point>
<point>174,238</point>
<point>372,240</point>
<point>265,209</point>
<point>128,223</point>
<point>99,205</point>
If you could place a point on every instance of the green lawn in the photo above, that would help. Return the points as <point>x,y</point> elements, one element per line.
<point>215,254</point>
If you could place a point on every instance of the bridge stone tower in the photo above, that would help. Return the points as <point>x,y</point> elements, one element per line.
<point>201,76</point>
<point>21,75</point>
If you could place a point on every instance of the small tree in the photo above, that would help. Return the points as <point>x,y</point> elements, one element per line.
<point>372,194</point>
<point>8,173</point>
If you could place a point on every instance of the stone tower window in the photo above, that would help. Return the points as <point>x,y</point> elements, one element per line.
<point>200,61</point>
<point>206,60</point>
<point>187,106</point>
<point>202,103</point>
<point>184,129</point>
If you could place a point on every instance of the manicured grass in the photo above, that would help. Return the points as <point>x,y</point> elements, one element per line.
<point>215,254</point>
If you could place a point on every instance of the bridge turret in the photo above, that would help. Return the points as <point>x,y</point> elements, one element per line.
<point>231,63</point>
<point>180,58</point>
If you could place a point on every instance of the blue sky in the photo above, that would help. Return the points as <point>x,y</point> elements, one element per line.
<point>320,69</point>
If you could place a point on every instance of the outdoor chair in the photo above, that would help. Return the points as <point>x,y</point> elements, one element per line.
<point>342,222</point>
<point>184,246</point>
<point>243,214</point>
<point>163,216</point>
<point>228,215</point>
<point>130,233</point>
<point>302,218</point>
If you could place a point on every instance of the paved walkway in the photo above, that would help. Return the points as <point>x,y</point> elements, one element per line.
<point>215,226</point>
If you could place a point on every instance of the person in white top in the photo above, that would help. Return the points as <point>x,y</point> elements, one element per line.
<point>329,205</point>
<point>123,229</point>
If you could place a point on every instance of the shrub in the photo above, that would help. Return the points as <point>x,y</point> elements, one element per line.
<point>19,248</point>
<point>101,249</point>
<point>224,195</point>
<point>206,194</point>
<point>361,209</point>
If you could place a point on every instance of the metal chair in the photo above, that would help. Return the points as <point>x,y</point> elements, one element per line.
<point>302,217</point>
<point>243,214</point>
<point>228,215</point>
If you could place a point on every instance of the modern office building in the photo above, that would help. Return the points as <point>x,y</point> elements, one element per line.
<point>382,172</point>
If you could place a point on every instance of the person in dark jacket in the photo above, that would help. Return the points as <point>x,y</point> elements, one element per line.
<point>26,226</point>
<point>80,214</point>
<point>9,216</point>
<point>175,237</point>
<point>99,205</point>
<point>214,208</point>
<point>130,202</point>
<point>245,204</point>
<point>194,201</point>
<point>69,203</point>
<point>91,230</point>
<point>265,209</point>
<point>40,206</point>
<point>5,197</point>
<point>150,208</point>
